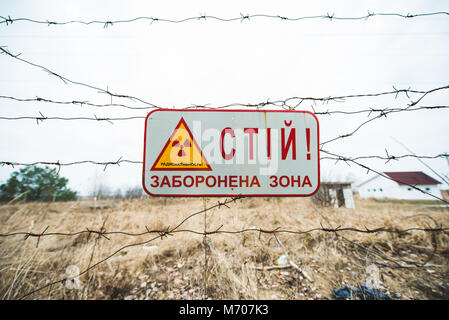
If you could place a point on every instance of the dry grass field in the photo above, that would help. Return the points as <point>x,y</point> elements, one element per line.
<point>222,266</point>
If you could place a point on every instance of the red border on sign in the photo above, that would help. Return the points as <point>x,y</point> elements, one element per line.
<point>230,195</point>
<point>182,121</point>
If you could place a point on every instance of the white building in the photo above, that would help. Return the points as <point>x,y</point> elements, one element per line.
<point>398,187</point>
<point>337,194</point>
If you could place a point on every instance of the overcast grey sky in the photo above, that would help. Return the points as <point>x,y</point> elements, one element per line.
<point>216,63</point>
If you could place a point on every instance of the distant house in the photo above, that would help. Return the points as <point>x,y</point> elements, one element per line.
<point>399,186</point>
<point>335,194</point>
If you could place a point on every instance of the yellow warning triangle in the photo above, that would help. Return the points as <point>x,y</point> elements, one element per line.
<point>181,152</point>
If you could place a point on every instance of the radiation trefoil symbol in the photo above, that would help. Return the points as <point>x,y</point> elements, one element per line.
<point>181,146</point>
<point>181,152</point>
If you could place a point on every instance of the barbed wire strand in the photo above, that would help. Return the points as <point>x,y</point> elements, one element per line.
<point>346,160</point>
<point>277,103</point>
<point>388,158</point>
<point>382,113</point>
<point>337,158</point>
<point>67,80</point>
<point>219,231</point>
<point>203,17</point>
<point>282,103</point>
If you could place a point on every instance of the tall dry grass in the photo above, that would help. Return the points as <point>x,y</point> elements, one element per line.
<point>175,266</point>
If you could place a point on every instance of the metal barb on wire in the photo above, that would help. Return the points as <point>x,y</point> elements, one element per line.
<point>41,118</point>
<point>39,236</point>
<point>244,17</point>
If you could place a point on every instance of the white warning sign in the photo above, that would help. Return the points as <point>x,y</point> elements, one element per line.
<point>231,153</point>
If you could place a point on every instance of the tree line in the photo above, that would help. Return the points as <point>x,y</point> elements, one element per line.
<point>34,183</point>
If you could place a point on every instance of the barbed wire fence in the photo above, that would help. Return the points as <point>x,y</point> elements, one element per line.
<point>291,103</point>
<point>242,17</point>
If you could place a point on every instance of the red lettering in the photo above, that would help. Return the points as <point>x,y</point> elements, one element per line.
<point>219,181</point>
<point>198,180</point>
<point>290,142</point>
<point>269,143</point>
<point>155,181</point>
<point>209,184</point>
<point>306,181</point>
<point>251,132</point>
<point>165,181</point>
<point>226,156</point>
<point>224,180</point>
<point>233,181</point>
<point>241,181</point>
<point>274,181</point>
<point>176,183</point>
<point>284,184</point>
<point>191,180</point>
<point>255,181</point>
<point>298,181</point>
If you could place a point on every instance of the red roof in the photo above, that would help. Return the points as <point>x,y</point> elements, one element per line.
<point>412,178</point>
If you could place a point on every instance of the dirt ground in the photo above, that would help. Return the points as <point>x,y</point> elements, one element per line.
<point>240,265</point>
